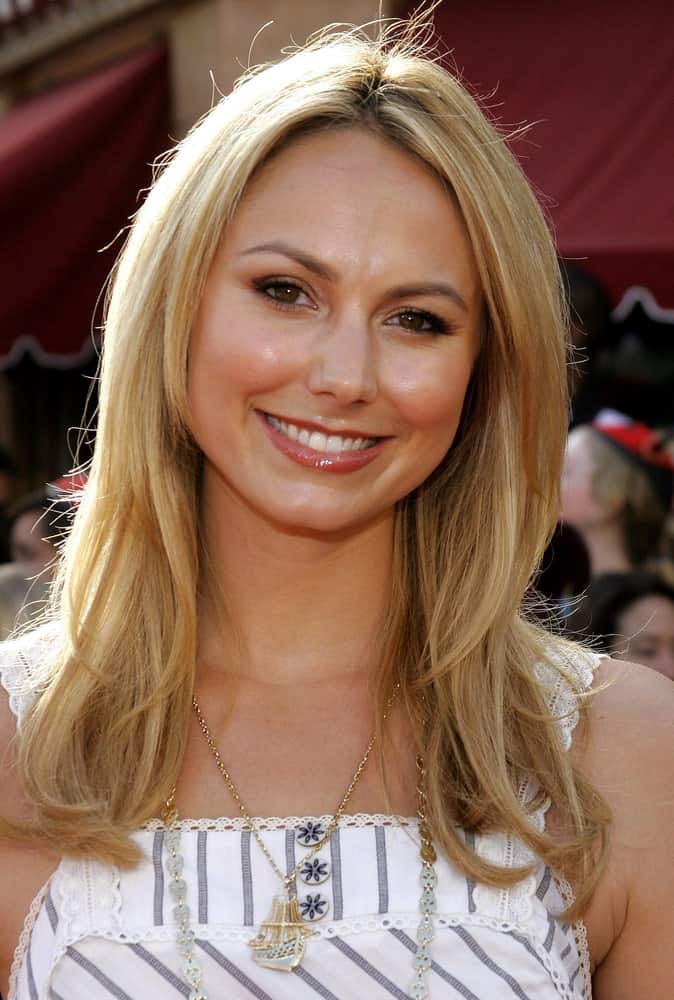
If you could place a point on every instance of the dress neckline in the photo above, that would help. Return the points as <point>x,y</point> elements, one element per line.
<point>266,823</point>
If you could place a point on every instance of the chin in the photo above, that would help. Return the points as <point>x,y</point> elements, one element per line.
<point>314,522</point>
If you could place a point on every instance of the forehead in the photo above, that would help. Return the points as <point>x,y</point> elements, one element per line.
<point>579,451</point>
<point>359,196</point>
<point>27,521</point>
<point>649,615</point>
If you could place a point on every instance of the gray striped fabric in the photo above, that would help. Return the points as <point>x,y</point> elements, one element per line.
<point>246,879</point>
<point>364,947</point>
<point>157,861</point>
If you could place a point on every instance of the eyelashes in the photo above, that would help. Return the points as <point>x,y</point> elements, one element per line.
<point>421,321</point>
<point>287,295</point>
<point>280,292</point>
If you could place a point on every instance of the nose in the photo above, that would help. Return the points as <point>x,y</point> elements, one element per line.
<point>343,363</point>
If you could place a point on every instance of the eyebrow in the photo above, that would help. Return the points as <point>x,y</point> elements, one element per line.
<point>313,264</point>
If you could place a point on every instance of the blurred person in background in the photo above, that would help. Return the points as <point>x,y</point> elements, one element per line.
<point>631,617</point>
<point>31,531</point>
<point>22,596</point>
<point>39,521</point>
<point>617,491</point>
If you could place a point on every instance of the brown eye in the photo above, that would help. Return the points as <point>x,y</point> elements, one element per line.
<point>418,321</point>
<point>413,321</point>
<point>284,293</point>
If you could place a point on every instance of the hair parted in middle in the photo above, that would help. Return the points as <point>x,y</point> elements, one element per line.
<point>466,541</point>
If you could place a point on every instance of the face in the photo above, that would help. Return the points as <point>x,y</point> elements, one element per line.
<point>647,626</point>
<point>26,543</point>
<point>579,505</point>
<point>336,336</point>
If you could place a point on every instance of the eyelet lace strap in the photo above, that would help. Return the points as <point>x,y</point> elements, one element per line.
<point>23,662</point>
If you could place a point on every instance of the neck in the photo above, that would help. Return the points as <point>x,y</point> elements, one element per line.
<point>605,543</point>
<point>283,608</point>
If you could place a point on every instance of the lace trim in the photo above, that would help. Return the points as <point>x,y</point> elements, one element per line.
<point>343,928</point>
<point>239,934</point>
<point>101,899</point>
<point>563,700</point>
<point>24,939</point>
<point>579,931</point>
<point>346,821</point>
<point>23,663</point>
<point>517,903</point>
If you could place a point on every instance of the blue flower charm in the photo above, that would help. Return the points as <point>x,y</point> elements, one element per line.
<point>313,907</point>
<point>315,871</point>
<point>310,833</point>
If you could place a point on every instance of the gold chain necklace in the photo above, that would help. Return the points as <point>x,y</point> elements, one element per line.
<point>290,878</point>
<point>282,938</point>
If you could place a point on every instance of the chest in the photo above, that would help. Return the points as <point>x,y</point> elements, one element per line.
<point>297,761</point>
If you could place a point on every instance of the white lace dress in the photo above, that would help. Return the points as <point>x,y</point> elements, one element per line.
<point>95,931</point>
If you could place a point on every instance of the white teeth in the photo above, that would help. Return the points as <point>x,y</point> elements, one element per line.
<point>316,440</point>
<point>335,443</point>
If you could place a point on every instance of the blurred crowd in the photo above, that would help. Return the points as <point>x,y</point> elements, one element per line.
<point>608,575</point>
<point>30,530</point>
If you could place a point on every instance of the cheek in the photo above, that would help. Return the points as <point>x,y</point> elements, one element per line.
<point>429,397</point>
<point>234,363</point>
<point>577,493</point>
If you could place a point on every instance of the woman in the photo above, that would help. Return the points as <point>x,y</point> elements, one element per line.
<point>617,490</point>
<point>332,419</point>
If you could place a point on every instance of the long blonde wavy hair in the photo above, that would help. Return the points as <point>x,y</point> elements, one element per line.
<point>103,744</point>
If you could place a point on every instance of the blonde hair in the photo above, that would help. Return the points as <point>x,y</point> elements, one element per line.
<point>104,742</point>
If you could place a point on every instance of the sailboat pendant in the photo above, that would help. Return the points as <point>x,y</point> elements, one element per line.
<point>282,937</point>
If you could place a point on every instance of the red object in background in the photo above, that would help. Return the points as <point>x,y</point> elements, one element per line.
<point>72,164</point>
<point>596,80</point>
<point>642,441</point>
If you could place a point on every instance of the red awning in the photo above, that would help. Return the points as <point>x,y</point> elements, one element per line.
<point>597,82</point>
<point>72,163</point>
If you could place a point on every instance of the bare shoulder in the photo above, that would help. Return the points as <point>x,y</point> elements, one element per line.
<point>627,749</point>
<point>629,739</point>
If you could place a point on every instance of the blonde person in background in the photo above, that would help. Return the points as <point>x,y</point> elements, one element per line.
<point>617,484</point>
<point>287,733</point>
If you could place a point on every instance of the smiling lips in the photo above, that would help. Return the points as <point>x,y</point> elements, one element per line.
<point>318,450</point>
